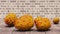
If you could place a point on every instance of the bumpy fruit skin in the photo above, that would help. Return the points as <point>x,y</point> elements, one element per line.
<point>56,20</point>
<point>42,23</point>
<point>25,22</point>
<point>10,19</point>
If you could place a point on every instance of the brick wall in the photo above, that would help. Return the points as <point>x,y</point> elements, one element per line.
<point>45,8</point>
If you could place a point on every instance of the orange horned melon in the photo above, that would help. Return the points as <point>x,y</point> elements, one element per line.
<point>42,23</point>
<point>56,20</point>
<point>25,22</point>
<point>10,19</point>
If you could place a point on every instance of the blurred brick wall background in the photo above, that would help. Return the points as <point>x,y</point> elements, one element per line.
<point>45,8</point>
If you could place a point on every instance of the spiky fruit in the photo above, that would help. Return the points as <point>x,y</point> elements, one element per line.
<point>25,22</point>
<point>42,23</point>
<point>56,20</point>
<point>10,19</point>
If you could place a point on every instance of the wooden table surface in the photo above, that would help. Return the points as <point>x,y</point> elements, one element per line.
<point>55,29</point>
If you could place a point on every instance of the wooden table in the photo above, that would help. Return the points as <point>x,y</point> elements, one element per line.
<point>55,29</point>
